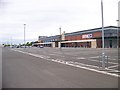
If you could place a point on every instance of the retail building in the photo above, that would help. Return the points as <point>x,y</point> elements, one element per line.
<point>91,38</point>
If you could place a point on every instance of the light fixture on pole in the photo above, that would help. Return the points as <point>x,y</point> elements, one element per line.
<point>103,52</point>
<point>24,34</point>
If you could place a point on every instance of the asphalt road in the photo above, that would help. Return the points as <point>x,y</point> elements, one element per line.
<point>84,56</point>
<point>25,71</point>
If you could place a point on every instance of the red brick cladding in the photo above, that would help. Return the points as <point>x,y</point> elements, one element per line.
<point>79,37</point>
<point>97,34</point>
<point>70,38</point>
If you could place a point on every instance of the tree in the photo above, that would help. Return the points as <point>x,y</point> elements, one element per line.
<point>27,44</point>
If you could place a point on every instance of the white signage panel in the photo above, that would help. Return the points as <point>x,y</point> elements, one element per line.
<point>87,36</point>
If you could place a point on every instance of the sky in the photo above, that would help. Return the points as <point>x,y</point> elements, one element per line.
<point>44,17</point>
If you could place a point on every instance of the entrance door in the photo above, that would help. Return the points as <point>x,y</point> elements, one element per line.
<point>110,42</point>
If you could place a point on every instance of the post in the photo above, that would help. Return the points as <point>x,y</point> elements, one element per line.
<point>24,34</point>
<point>103,52</point>
<point>60,37</point>
<point>11,41</point>
<point>117,34</point>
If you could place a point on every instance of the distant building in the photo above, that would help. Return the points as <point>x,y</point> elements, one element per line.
<point>51,41</point>
<point>91,38</point>
<point>41,38</point>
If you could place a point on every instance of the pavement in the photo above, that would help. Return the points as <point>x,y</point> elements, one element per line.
<point>59,68</point>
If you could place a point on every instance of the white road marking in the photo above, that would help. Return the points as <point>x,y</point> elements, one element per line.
<point>56,55</point>
<point>101,61</point>
<point>112,59</point>
<point>94,60</point>
<point>113,66</point>
<point>68,63</point>
<point>99,56</point>
<point>86,65</point>
<point>81,58</point>
<point>95,57</point>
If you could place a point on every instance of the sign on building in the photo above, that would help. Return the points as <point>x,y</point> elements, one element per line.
<point>87,36</point>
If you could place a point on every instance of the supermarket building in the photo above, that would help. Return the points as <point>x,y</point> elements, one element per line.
<point>91,38</point>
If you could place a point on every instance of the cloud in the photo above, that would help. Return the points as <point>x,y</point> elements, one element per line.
<point>44,17</point>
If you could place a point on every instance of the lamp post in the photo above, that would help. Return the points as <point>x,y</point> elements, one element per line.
<point>11,41</point>
<point>117,34</point>
<point>24,34</point>
<point>60,36</point>
<point>103,52</point>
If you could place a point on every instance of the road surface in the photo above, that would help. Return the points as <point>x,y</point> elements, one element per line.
<point>25,71</point>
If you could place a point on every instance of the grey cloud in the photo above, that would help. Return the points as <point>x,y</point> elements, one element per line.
<point>43,17</point>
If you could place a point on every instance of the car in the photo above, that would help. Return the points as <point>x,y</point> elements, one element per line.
<point>17,46</point>
<point>41,46</point>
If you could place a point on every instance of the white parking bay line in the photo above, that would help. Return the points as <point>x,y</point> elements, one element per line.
<point>113,66</point>
<point>95,57</point>
<point>70,64</point>
<point>81,58</point>
<point>94,60</point>
<point>56,55</point>
<point>101,61</point>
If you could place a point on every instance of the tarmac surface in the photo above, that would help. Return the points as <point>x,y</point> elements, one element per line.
<point>58,68</point>
<point>84,56</point>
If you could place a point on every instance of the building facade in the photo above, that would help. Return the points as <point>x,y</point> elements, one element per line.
<point>91,38</point>
<point>51,41</point>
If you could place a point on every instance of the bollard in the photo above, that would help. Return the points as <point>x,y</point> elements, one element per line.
<point>99,61</point>
<point>105,61</point>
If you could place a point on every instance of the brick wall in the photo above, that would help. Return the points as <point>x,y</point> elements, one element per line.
<point>79,37</point>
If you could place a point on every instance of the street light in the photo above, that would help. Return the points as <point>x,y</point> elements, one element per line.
<point>60,36</point>
<point>11,40</point>
<point>118,34</point>
<point>24,33</point>
<point>103,52</point>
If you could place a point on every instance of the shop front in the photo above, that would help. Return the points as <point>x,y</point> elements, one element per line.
<point>91,43</point>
